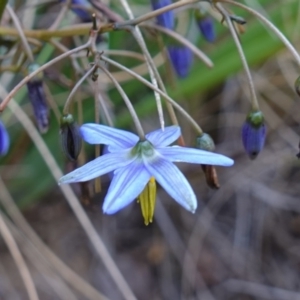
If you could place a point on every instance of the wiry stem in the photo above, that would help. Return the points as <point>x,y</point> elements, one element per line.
<point>128,103</point>
<point>73,201</point>
<point>19,260</point>
<point>41,68</point>
<point>254,102</point>
<point>75,88</point>
<point>176,36</point>
<point>168,98</point>
<point>21,33</point>
<point>271,26</point>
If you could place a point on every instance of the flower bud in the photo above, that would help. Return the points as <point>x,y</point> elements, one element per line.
<point>166,19</point>
<point>4,140</point>
<point>83,14</point>
<point>38,100</point>
<point>205,142</point>
<point>206,26</point>
<point>70,137</point>
<point>181,58</point>
<point>297,85</point>
<point>254,133</point>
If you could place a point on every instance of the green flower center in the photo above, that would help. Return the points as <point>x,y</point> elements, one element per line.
<point>143,148</point>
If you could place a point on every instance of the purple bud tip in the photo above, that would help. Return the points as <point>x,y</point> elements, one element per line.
<point>254,134</point>
<point>166,19</point>
<point>4,140</point>
<point>206,27</point>
<point>182,59</point>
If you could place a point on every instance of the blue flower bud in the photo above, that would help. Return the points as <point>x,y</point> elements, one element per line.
<point>38,100</point>
<point>83,14</point>
<point>70,137</point>
<point>206,26</point>
<point>254,133</point>
<point>166,19</point>
<point>181,58</point>
<point>4,140</point>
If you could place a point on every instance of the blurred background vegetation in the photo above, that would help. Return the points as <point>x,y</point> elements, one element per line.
<point>243,242</point>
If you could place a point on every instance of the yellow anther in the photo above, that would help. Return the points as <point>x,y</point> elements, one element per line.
<point>147,200</point>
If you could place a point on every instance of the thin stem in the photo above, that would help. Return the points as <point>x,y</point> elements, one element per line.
<point>19,260</point>
<point>271,26</point>
<point>65,272</point>
<point>41,68</point>
<point>128,103</point>
<point>46,34</point>
<point>136,32</point>
<point>176,36</point>
<point>155,13</point>
<point>75,88</point>
<point>73,201</point>
<point>154,75</point>
<point>254,102</point>
<point>168,98</point>
<point>61,15</point>
<point>21,33</point>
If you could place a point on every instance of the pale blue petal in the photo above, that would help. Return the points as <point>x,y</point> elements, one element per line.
<point>99,166</point>
<point>101,134</point>
<point>173,181</point>
<point>195,156</point>
<point>126,186</point>
<point>164,138</point>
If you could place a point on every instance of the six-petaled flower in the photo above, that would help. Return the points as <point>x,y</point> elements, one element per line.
<point>134,162</point>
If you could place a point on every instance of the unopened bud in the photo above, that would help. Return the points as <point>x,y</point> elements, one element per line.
<point>166,19</point>
<point>254,134</point>
<point>70,137</point>
<point>205,142</point>
<point>38,100</point>
<point>181,58</point>
<point>206,25</point>
<point>4,140</point>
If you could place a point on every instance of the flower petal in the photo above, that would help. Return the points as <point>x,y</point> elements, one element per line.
<point>127,184</point>
<point>101,134</point>
<point>164,138</point>
<point>194,156</point>
<point>173,181</point>
<point>99,166</point>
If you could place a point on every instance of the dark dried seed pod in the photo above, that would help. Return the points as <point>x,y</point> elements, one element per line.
<point>254,134</point>
<point>70,137</point>
<point>38,100</point>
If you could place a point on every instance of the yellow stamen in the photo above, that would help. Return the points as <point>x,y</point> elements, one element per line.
<point>147,200</point>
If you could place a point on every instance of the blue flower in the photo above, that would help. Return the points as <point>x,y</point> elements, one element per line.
<point>134,162</point>
<point>206,27</point>
<point>166,19</point>
<point>182,59</point>
<point>4,140</point>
